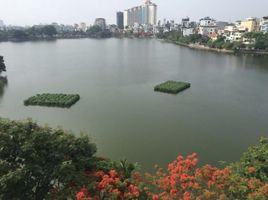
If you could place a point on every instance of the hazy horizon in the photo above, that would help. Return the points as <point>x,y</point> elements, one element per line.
<point>30,12</point>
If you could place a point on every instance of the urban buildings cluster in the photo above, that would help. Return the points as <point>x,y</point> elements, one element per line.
<point>142,20</point>
<point>232,32</point>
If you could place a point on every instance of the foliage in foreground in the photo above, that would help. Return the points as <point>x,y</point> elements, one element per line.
<point>172,87</point>
<point>55,100</point>
<point>36,162</point>
<point>44,163</point>
<point>184,180</point>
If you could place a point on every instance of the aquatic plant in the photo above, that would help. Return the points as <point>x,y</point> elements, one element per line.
<point>53,100</point>
<point>172,87</point>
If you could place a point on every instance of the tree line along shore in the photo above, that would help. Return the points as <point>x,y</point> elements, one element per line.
<point>257,41</point>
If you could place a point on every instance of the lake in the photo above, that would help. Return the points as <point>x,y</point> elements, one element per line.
<point>224,111</point>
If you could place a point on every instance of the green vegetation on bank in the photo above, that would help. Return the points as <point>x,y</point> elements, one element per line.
<point>2,65</point>
<point>256,41</point>
<point>172,87</point>
<point>97,32</point>
<point>45,163</point>
<point>32,33</point>
<point>49,32</point>
<point>53,100</point>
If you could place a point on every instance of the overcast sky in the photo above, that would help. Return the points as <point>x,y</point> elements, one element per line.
<point>28,12</point>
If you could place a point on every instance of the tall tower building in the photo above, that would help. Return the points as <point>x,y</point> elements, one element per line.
<point>120,20</point>
<point>144,14</point>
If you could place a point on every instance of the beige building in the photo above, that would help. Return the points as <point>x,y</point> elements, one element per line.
<point>251,24</point>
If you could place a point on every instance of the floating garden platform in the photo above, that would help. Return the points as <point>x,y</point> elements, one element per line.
<point>52,100</point>
<point>172,87</point>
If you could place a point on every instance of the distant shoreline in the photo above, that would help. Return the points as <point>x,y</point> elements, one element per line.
<point>191,46</point>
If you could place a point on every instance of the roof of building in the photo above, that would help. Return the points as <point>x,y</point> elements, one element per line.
<point>206,18</point>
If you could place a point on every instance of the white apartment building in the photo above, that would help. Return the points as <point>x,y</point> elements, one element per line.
<point>145,14</point>
<point>264,25</point>
<point>207,26</point>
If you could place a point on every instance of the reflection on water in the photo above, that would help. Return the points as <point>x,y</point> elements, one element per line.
<point>253,61</point>
<point>3,85</point>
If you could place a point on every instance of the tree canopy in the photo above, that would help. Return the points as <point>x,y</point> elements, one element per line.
<point>36,160</point>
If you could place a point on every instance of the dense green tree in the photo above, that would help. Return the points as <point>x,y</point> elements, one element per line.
<point>3,36</point>
<point>259,40</point>
<point>49,30</point>
<point>35,160</point>
<point>257,156</point>
<point>19,35</point>
<point>2,65</point>
<point>228,45</point>
<point>94,29</point>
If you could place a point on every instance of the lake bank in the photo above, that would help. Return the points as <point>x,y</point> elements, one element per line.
<point>226,51</point>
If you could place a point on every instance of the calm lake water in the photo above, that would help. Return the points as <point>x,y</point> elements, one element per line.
<point>224,111</point>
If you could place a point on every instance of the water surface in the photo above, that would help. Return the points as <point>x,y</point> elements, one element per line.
<point>224,111</point>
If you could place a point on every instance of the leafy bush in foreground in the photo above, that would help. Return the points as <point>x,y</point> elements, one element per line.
<point>54,100</point>
<point>44,163</point>
<point>36,162</point>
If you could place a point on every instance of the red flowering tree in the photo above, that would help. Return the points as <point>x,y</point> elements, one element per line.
<point>183,180</point>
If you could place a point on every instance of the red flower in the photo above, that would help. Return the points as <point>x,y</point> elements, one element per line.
<point>155,197</point>
<point>113,173</point>
<point>187,196</point>
<point>80,196</point>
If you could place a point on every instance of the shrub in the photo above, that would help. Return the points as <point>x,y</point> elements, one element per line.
<point>36,162</point>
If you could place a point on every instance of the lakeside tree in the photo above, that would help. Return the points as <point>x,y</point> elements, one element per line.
<point>96,31</point>
<point>35,161</point>
<point>49,30</point>
<point>2,65</point>
<point>19,35</point>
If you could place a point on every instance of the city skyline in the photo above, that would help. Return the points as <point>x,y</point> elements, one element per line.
<point>30,12</point>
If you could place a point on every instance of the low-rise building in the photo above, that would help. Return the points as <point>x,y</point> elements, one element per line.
<point>185,22</point>
<point>250,24</point>
<point>207,26</point>
<point>264,25</point>
<point>187,31</point>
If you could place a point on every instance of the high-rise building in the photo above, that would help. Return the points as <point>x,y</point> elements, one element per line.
<point>144,14</point>
<point>101,23</point>
<point>120,20</point>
